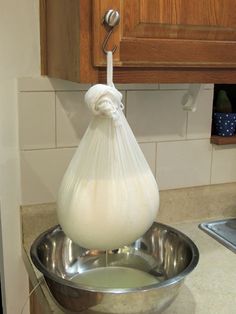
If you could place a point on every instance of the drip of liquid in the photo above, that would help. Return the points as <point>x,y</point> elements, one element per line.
<point>115,278</point>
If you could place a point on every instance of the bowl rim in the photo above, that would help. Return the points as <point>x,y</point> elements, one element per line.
<point>169,282</point>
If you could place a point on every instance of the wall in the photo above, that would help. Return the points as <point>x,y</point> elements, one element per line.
<point>19,56</point>
<point>53,118</point>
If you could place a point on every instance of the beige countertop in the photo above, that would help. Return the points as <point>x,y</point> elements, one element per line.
<point>209,289</point>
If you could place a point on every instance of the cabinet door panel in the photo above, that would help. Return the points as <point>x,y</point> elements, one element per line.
<point>195,33</point>
<point>189,17</point>
<point>175,52</point>
<point>196,19</point>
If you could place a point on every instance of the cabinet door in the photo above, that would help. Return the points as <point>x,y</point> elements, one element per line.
<point>169,33</point>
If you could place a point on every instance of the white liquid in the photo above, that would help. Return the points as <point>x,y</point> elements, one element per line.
<point>107,214</point>
<point>115,278</point>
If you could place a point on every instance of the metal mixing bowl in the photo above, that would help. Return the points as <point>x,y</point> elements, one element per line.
<point>163,252</point>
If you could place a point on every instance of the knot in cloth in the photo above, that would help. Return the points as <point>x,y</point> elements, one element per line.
<point>104,100</point>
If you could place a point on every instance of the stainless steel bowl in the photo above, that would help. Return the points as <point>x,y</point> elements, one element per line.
<point>163,252</point>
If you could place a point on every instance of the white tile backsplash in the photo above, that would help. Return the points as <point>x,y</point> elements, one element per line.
<point>53,118</point>
<point>199,122</point>
<point>41,173</point>
<point>182,86</point>
<point>136,86</point>
<point>208,86</point>
<point>223,164</point>
<point>174,86</point>
<point>37,120</point>
<point>183,163</point>
<point>39,84</point>
<point>156,115</point>
<point>72,116</point>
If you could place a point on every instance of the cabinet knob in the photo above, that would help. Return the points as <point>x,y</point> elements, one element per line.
<point>111,18</point>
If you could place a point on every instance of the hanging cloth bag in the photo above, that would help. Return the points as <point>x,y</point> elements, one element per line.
<point>108,197</point>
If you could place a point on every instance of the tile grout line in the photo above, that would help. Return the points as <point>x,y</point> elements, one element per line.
<point>212,146</point>
<point>55,116</point>
<point>186,128</point>
<point>211,164</point>
<point>172,140</point>
<point>47,148</point>
<point>85,90</point>
<point>156,161</point>
<point>75,146</point>
<point>126,104</point>
<point>53,90</point>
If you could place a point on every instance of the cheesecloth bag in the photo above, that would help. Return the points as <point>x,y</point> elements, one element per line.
<point>108,197</point>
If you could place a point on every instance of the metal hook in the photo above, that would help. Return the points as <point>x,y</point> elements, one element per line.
<point>110,20</point>
<point>106,41</point>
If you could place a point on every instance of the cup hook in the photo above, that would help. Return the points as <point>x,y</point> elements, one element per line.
<point>110,20</point>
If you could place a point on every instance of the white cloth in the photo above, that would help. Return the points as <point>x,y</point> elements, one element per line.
<point>108,196</point>
<point>104,100</point>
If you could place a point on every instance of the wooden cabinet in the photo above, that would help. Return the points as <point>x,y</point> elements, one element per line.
<point>158,40</point>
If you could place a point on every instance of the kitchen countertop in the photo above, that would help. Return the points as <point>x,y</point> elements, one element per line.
<point>209,289</point>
